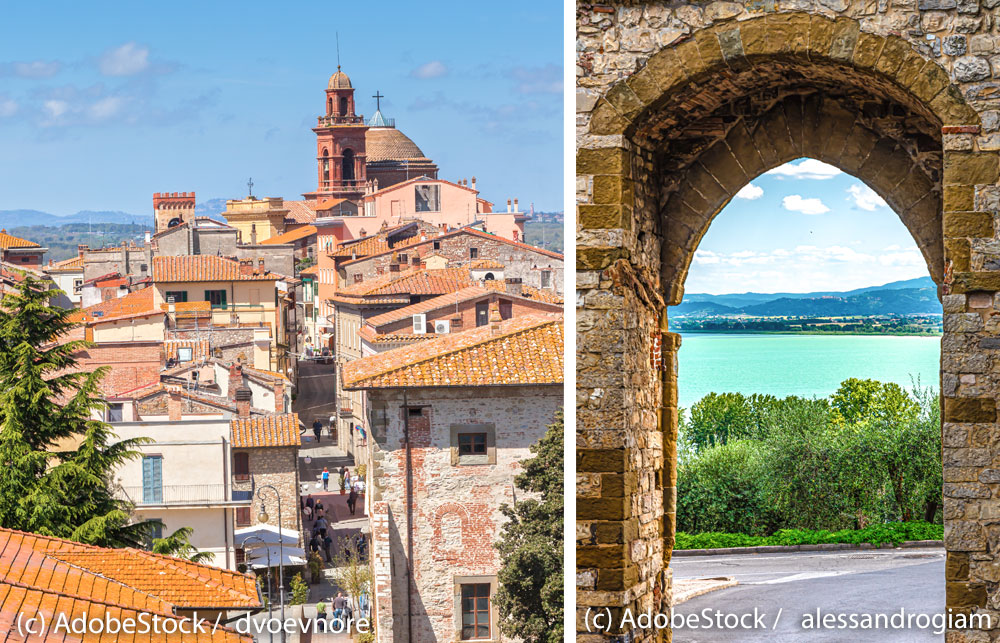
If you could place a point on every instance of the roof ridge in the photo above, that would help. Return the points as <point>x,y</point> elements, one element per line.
<point>543,320</point>
<point>87,599</point>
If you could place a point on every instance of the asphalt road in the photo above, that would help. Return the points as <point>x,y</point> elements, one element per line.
<point>314,393</point>
<point>837,583</point>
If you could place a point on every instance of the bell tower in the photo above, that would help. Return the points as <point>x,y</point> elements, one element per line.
<point>340,144</point>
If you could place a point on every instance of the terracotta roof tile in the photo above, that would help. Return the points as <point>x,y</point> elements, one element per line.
<point>135,304</point>
<point>417,241</point>
<point>291,235</point>
<point>73,264</point>
<point>266,431</point>
<point>300,211</point>
<point>449,299</point>
<point>40,575</point>
<point>486,264</point>
<point>525,350</point>
<point>203,268</point>
<point>10,241</point>
<point>528,292</point>
<point>409,282</point>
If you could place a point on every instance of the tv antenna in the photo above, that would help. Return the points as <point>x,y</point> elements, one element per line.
<point>250,186</point>
<point>338,50</point>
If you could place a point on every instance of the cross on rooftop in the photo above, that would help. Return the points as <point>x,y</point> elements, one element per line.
<point>378,100</point>
<point>250,186</point>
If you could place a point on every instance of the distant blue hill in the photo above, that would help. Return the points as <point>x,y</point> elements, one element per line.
<point>14,218</point>
<point>911,296</point>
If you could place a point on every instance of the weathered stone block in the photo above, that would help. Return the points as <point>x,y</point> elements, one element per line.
<point>964,535</point>
<point>611,160</point>
<point>970,409</point>
<point>958,197</point>
<point>965,168</point>
<point>968,224</point>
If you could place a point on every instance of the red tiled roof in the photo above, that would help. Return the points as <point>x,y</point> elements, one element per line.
<point>203,268</point>
<point>199,348</point>
<point>10,241</point>
<point>135,304</point>
<point>291,235</point>
<point>45,576</point>
<point>326,204</point>
<point>68,265</point>
<point>266,431</point>
<point>300,211</point>
<point>410,282</point>
<point>466,230</point>
<point>449,299</point>
<point>525,350</point>
<point>528,292</point>
<point>486,264</point>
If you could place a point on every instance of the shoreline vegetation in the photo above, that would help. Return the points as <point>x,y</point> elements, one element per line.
<point>862,465</point>
<point>921,326</point>
<point>876,333</point>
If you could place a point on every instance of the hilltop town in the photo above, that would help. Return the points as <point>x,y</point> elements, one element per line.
<point>386,346</point>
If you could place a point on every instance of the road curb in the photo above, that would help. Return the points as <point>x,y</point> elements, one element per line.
<point>778,549</point>
<point>685,590</point>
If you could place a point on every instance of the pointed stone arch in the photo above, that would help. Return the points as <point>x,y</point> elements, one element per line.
<point>665,139</point>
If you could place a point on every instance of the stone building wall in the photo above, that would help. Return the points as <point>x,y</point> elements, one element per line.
<point>679,105</point>
<point>466,312</point>
<point>455,507</point>
<point>519,260</point>
<point>277,466</point>
<point>124,259</point>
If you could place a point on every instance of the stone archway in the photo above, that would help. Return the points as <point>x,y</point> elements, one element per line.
<point>666,137</point>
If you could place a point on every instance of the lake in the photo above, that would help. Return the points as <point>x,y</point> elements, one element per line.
<point>804,365</point>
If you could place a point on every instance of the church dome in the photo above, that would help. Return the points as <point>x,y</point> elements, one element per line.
<point>389,144</point>
<point>339,80</point>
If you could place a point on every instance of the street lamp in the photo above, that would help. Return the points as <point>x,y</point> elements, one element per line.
<point>267,548</point>
<point>263,518</point>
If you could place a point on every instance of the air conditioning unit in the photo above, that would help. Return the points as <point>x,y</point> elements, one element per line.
<point>420,324</point>
<point>442,326</point>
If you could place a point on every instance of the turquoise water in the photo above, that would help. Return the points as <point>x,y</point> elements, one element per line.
<point>805,365</point>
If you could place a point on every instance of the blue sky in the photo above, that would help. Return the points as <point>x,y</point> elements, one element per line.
<point>804,226</point>
<point>102,104</point>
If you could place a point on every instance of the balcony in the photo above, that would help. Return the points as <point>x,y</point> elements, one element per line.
<point>188,495</point>
<point>328,121</point>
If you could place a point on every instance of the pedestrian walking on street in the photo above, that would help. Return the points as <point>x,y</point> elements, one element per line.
<point>339,605</point>
<point>320,527</point>
<point>344,471</point>
<point>307,512</point>
<point>314,544</point>
<point>326,479</point>
<point>352,500</point>
<point>317,429</point>
<point>327,544</point>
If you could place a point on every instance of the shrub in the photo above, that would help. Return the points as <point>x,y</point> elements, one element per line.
<point>894,532</point>
<point>300,590</point>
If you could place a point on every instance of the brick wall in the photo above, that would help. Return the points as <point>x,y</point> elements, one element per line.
<point>456,513</point>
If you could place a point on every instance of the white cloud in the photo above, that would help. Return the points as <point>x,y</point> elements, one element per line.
<point>797,203</point>
<point>127,60</point>
<point>433,69</point>
<point>865,198</point>
<point>750,192</point>
<point>7,108</point>
<point>106,108</point>
<point>55,108</point>
<point>906,258</point>
<point>806,169</point>
<point>35,69</point>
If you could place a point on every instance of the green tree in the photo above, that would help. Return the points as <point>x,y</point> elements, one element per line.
<point>178,544</point>
<point>300,590</point>
<point>353,575</point>
<point>530,597</point>
<point>45,403</point>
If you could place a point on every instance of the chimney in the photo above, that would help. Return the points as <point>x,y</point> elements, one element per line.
<point>243,397</point>
<point>495,319</point>
<point>253,234</point>
<point>235,379</point>
<point>246,267</point>
<point>473,183</point>
<point>149,237</point>
<point>82,248</point>
<point>260,265</point>
<point>174,406</point>
<point>279,397</point>
<point>508,205</point>
<point>514,286</point>
<point>515,205</point>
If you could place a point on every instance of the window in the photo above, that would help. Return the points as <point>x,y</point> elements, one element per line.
<point>505,309</point>
<point>546,279</point>
<point>415,411</point>
<point>152,479</point>
<point>403,258</point>
<point>243,516</point>
<point>216,297</point>
<point>482,313</point>
<point>471,444</point>
<point>437,245</point>
<point>178,295</point>
<point>143,268</point>
<point>473,253</point>
<point>241,466</point>
<point>343,106</point>
<point>358,278</point>
<point>428,198</point>
<point>77,285</point>
<point>347,166</point>
<point>156,529</point>
<point>475,611</point>
<point>185,354</point>
<point>115,412</point>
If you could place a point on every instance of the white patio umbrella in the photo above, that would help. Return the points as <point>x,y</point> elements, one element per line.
<point>258,557</point>
<point>267,533</point>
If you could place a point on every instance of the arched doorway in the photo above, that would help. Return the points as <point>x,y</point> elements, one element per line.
<point>660,153</point>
